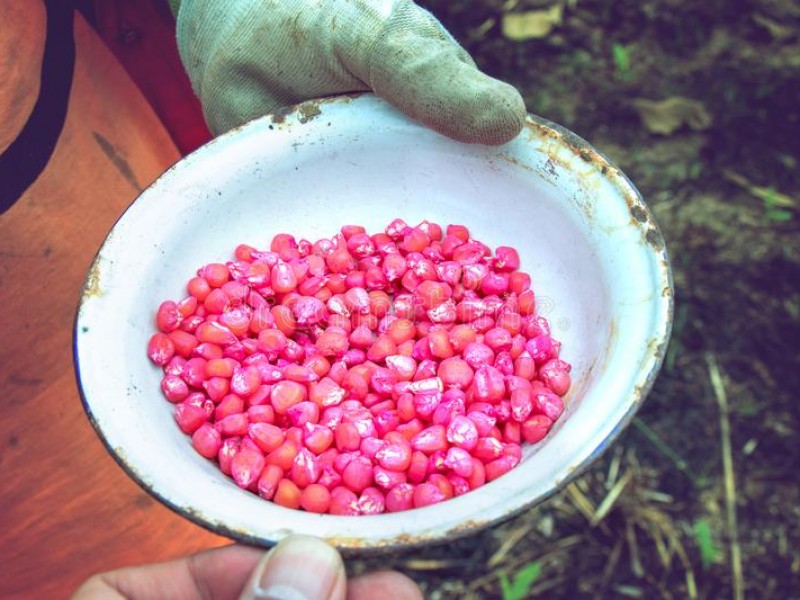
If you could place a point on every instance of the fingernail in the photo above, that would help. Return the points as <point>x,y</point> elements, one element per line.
<point>298,568</point>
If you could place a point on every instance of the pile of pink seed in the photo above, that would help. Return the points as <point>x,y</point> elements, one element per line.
<point>362,374</point>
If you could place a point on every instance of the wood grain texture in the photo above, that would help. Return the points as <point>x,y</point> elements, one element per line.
<point>66,509</point>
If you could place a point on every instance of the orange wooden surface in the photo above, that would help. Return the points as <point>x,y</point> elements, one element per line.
<point>66,509</point>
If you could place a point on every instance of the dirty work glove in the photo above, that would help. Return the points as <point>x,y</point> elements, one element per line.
<point>247,58</point>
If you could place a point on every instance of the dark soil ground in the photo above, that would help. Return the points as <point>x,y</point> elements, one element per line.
<point>719,168</point>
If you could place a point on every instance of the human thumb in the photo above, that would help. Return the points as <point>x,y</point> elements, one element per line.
<point>298,568</point>
<point>419,67</point>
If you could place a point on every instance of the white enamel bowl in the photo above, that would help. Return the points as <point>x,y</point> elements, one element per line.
<point>595,254</point>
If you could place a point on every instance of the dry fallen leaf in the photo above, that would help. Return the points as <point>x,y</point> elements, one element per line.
<point>532,24</point>
<point>666,116</point>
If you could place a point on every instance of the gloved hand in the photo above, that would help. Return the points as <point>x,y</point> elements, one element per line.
<point>250,57</point>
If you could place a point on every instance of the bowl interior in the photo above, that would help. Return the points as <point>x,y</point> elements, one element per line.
<point>595,256</point>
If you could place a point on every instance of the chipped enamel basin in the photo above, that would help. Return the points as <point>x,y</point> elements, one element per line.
<point>597,259</point>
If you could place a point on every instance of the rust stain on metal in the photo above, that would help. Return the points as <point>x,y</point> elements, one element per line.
<point>515,162</point>
<point>639,393</point>
<point>467,527</point>
<point>577,145</point>
<point>557,139</point>
<point>657,346</point>
<point>350,543</point>
<point>536,129</point>
<point>655,239</point>
<point>279,116</point>
<point>91,288</point>
<point>221,528</point>
<point>308,110</point>
<point>233,131</point>
<point>404,540</point>
<point>119,451</point>
<point>354,543</point>
<point>639,213</point>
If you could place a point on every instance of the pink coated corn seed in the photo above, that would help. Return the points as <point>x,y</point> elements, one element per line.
<point>362,374</point>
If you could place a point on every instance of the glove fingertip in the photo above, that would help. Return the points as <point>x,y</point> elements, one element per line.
<point>491,114</point>
<point>503,117</point>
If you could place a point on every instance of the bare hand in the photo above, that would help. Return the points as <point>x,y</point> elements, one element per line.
<point>299,568</point>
